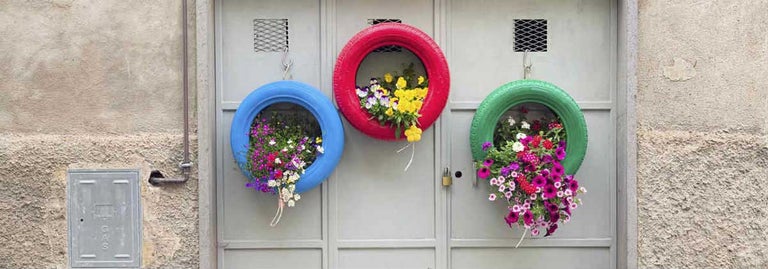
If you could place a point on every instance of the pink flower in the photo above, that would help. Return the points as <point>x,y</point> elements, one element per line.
<point>573,185</point>
<point>551,230</point>
<point>483,172</point>
<point>488,162</point>
<point>539,181</point>
<point>492,197</point>
<point>557,169</point>
<point>549,191</point>
<point>534,232</point>
<point>528,217</point>
<point>512,217</point>
<point>508,194</point>
<point>560,153</point>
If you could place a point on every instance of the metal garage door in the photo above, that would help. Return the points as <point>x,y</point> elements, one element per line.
<point>370,214</point>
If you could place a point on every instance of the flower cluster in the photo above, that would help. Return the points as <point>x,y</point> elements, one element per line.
<point>395,101</point>
<point>524,169</point>
<point>281,147</point>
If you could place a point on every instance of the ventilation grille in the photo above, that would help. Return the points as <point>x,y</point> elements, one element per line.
<point>386,48</point>
<point>531,35</point>
<point>270,35</point>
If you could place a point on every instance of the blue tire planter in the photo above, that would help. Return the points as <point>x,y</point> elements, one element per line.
<point>300,94</point>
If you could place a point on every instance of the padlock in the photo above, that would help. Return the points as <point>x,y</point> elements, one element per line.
<point>447,180</point>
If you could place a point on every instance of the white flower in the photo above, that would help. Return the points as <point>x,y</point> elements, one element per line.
<point>558,184</point>
<point>508,195</point>
<point>291,188</point>
<point>533,197</point>
<point>285,149</point>
<point>569,199</point>
<point>494,181</point>
<point>492,197</point>
<point>272,142</point>
<point>320,149</point>
<point>538,190</point>
<point>291,203</point>
<point>511,121</point>
<point>272,183</point>
<point>521,136</point>
<point>513,174</point>
<point>567,219</point>
<point>377,94</point>
<point>290,141</point>
<point>527,206</point>
<point>502,179</point>
<point>518,147</point>
<point>502,188</point>
<point>568,192</point>
<point>291,146</point>
<point>368,105</point>
<point>560,194</point>
<point>583,190</point>
<point>516,208</point>
<point>573,205</point>
<point>296,197</point>
<point>525,125</point>
<point>277,161</point>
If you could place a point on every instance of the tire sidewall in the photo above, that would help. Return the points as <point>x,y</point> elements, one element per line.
<point>363,43</point>
<point>531,91</point>
<point>313,101</point>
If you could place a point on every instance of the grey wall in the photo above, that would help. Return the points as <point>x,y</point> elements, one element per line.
<point>702,145</point>
<point>91,84</point>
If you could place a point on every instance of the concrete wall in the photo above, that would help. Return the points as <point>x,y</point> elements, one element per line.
<point>91,84</point>
<point>702,107</point>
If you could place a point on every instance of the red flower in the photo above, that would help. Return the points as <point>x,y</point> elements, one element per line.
<point>548,144</point>
<point>536,140</point>
<point>523,110</point>
<point>279,173</point>
<point>555,125</point>
<point>536,125</point>
<point>521,154</point>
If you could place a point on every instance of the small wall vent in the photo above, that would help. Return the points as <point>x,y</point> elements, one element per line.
<point>270,35</point>
<point>531,35</point>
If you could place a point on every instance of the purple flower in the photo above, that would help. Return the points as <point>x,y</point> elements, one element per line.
<point>544,173</point>
<point>488,162</point>
<point>573,185</point>
<point>483,172</point>
<point>561,144</point>
<point>514,166</point>
<point>568,178</point>
<point>557,169</point>
<point>549,191</point>
<point>551,230</point>
<point>539,181</point>
<point>530,168</point>
<point>551,207</point>
<point>560,153</point>
<point>546,158</point>
<point>511,218</point>
<point>505,171</point>
<point>554,217</point>
<point>487,145</point>
<point>528,217</point>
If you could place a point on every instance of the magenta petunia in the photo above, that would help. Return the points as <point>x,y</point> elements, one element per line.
<point>557,169</point>
<point>573,185</point>
<point>551,207</point>
<point>514,166</point>
<point>554,217</point>
<point>551,230</point>
<point>546,158</point>
<point>512,218</point>
<point>539,181</point>
<point>488,162</point>
<point>528,217</point>
<point>483,172</point>
<point>560,153</point>
<point>549,191</point>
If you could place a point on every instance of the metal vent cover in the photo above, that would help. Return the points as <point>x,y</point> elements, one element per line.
<point>386,48</point>
<point>531,35</point>
<point>270,35</point>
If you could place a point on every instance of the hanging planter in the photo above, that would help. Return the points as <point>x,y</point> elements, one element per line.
<point>328,147</point>
<point>531,91</point>
<point>348,95</point>
<point>530,164</point>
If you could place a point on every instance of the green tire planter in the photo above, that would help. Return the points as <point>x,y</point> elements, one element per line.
<point>531,91</point>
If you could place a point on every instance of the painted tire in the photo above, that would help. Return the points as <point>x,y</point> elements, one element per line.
<point>309,98</point>
<point>384,34</point>
<point>531,91</point>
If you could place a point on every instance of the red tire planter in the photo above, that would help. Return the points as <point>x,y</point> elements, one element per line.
<point>385,34</point>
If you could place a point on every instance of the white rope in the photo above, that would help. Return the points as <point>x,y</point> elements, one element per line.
<point>278,214</point>
<point>521,238</point>
<point>413,153</point>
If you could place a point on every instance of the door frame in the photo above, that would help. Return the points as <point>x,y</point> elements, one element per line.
<point>626,124</point>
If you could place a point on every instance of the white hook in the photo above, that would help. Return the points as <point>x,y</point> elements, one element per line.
<point>526,65</point>
<point>287,63</point>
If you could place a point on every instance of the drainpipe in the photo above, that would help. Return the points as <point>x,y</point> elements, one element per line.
<point>156,177</point>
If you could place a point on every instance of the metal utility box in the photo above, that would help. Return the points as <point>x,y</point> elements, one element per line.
<point>104,218</point>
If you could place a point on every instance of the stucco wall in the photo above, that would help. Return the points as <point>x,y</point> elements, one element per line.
<point>702,109</point>
<point>91,84</point>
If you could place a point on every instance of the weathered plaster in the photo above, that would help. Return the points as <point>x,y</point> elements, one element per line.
<point>702,110</point>
<point>92,84</point>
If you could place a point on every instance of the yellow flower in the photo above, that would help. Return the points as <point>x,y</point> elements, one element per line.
<point>318,140</point>
<point>421,79</point>
<point>389,112</point>
<point>388,77</point>
<point>401,83</point>
<point>385,91</point>
<point>399,93</point>
<point>413,133</point>
<point>418,104</point>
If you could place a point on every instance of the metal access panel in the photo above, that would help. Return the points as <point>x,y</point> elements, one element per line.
<point>104,218</point>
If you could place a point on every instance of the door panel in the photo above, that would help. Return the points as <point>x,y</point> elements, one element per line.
<point>372,214</point>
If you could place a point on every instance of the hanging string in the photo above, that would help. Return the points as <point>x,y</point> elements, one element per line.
<point>413,153</point>
<point>526,65</point>
<point>287,63</point>
<point>521,237</point>
<point>279,213</point>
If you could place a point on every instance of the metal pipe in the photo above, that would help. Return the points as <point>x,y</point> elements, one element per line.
<point>186,165</point>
